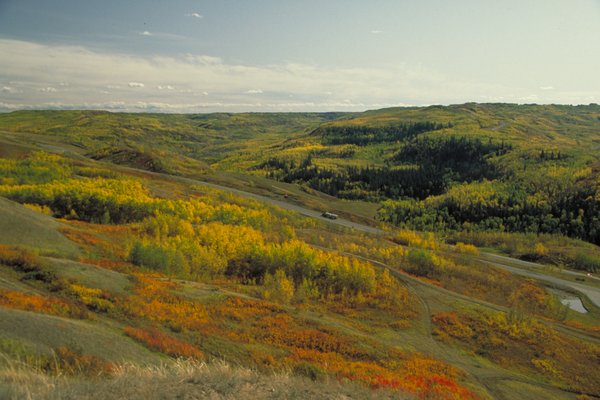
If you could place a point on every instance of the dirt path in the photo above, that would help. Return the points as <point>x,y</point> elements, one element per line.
<point>593,293</point>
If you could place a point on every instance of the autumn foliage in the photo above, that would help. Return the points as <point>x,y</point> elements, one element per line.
<point>73,362</point>
<point>157,340</point>
<point>246,248</point>
<point>18,258</point>
<point>514,341</point>
<point>39,304</point>
<point>153,300</point>
<point>311,347</point>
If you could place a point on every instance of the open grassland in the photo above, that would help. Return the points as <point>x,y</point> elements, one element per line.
<point>27,228</point>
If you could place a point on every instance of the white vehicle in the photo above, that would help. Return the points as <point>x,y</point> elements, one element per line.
<point>329,215</point>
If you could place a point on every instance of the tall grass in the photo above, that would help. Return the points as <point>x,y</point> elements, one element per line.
<point>180,379</point>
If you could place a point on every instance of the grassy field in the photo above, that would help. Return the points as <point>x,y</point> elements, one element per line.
<point>25,227</point>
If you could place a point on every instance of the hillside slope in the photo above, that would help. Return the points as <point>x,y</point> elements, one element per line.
<point>168,268</point>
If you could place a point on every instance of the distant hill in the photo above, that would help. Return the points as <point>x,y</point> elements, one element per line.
<point>500,167</point>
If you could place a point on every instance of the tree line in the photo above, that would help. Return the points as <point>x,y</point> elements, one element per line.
<point>364,135</point>
<point>421,168</point>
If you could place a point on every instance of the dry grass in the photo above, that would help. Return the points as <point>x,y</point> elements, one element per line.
<point>178,380</point>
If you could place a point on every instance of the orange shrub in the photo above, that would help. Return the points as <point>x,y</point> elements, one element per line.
<point>39,304</point>
<point>448,324</point>
<point>240,309</point>
<point>107,240</point>
<point>153,301</point>
<point>157,340</point>
<point>530,297</point>
<point>19,258</point>
<point>425,377</point>
<point>74,362</point>
<point>120,266</point>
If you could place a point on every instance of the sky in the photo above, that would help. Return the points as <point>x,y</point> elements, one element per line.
<point>284,55</point>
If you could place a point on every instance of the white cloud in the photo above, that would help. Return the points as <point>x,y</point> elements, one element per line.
<point>376,31</point>
<point>9,89</point>
<point>146,33</point>
<point>546,87</point>
<point>141,106</point>
<point>194,15</point>
<point>203,59</point>
<point>531,98</point>
<point>29,66</point>
<point>48,89</point>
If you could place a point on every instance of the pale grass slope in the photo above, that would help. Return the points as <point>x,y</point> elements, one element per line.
<point>46,332</point>
<point>20,226</point>
<point>179,380</point>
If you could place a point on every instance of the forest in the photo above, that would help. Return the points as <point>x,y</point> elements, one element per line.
<point>365,135</point>
<point>462,175</point>
<point>420,169</point>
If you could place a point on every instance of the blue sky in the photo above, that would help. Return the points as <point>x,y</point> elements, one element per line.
<point>268,55</point>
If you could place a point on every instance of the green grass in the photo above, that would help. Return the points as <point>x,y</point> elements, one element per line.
<point>46,332</point>
<point>90,275</point>
<point>20,226</point>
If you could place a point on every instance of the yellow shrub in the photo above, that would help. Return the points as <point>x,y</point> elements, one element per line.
<point>540,249</point>
<point>466,248</point>
<point>39,208</point>
<point>91,297</point>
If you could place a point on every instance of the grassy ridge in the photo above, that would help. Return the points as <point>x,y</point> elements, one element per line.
<point>25,227</point>
<point>181,142</point>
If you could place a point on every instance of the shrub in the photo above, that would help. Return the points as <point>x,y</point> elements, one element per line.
<point>157,340</point>
<point>310,371</point>
<point>421,262</point>
<point>278,287</point>
<point>21,259</point>
<point>466,248</point>
<point>73,362</point>
<point>529,297</point>
<point>39,304</point>
<point>587,262</point>
<point>94,299</point>
<point>449,324</point>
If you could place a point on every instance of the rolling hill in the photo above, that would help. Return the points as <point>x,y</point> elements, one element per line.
<point>129,268</point>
